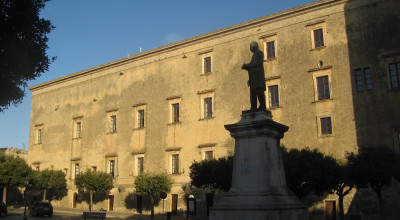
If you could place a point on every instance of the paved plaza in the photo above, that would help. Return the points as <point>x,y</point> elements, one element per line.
<point>75,214</point>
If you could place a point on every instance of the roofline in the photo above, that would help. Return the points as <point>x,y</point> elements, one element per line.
<point>175,45</point>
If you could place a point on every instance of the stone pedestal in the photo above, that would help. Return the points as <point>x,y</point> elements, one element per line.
<point>258,180</point>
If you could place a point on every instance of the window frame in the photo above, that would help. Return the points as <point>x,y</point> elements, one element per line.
<point>207,64</point>
<point>397,74</point>
<point>140,123</point>
<point>320,73</point>
<point>77,130</point>
<point>207,67</point>
<point>207,154</point>
<point>175,163</point>
<point>113,123</point>
<point>319,40</point>
<point>274,81</point>
<point>363,83</point>
<point>140,118</point>
<point>267,40</point>
<point>76,169</point>
<point>140,166</point>
<point>322,130</point>
<point>275,102</point>
<point>39,136</point>
<point>324,91</point>
<point>208,107</point>
<point>326,125</point>
<point>111,167</point>
<point>270,51</point>
<point>204,109</point>
<point>315,27</point>
<point>175,116</point>
<point>136,167</point>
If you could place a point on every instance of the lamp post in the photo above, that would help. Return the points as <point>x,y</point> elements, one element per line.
<point>26,184</point>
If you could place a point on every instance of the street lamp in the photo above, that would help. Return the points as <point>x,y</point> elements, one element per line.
<point>26,184</point>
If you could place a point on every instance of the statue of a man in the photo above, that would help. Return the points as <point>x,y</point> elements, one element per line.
<point>256,78</point>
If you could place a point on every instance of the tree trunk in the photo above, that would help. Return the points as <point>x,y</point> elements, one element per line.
<point>5,195</point>
<point>152,207</point>
<point>44,195</point>
<point>91,200</point>
<point>341,210</point>
<point>380,200</point>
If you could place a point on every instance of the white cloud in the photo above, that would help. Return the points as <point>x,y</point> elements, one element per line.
<point>173,37</point>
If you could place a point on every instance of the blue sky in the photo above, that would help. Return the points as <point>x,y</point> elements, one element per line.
<point>89,33</point>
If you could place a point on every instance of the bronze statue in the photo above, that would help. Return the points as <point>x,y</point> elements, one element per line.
<point>256,78</point>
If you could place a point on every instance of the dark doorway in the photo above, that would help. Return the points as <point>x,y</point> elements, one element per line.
<point>110,202</point>
<point>209,201</point>
<point>174,207</point>
<point>330,209</point>
<point>139,203</point>
<point>74,199</point>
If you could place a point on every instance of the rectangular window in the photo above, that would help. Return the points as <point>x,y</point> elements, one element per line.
<point>273,95</point>
<point>175,112</point>
<point>394,69</point>
<point>76,169</point>
<point>359,80</point>
<point>326,125</point>
<point>207,65</point>
<point>208,108</point>
<point>140,118</point>
<point>175,164</point>
<point>318,38</point>
<point>39,136</point>
<point>208,155</point>
<point>112,167</point>
<point>78,129</point>
<point>364,79</point>
<point>368,78</point>
<point>323,87</point>
<point>37,168</point>
<point>270,49</point>
<point>140,165</point>
<point>113,123</point>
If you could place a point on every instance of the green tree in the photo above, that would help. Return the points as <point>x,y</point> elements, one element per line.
<point>375,167</point>
<point>94,181</point>
<point>309,171</point>
<point>345,182</point>
<point>13,172</point>
<point>23,44</point>
<point>49,180</point>
<point>152,185</point>
<point>213,174</point>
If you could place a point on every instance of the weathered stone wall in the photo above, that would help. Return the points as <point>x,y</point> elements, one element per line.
<point>150,80</point>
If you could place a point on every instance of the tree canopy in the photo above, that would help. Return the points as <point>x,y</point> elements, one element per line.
<point>309,171</point>
<point>213,174</point>
<point>152,185</point>
<point>94,181</point>
<point>375,167</point>
<point>23,44</point>
<point>49,179</point>
<point>13,172</point>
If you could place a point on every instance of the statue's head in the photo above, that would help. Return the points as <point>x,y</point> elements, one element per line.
<point>253,46</point>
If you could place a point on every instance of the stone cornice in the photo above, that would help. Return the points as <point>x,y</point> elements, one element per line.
<point>231,29</point>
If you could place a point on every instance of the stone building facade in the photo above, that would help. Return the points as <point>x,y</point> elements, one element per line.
<point>332,75</point>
